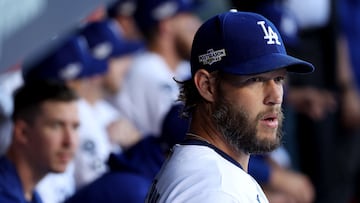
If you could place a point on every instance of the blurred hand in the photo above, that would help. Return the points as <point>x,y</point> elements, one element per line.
<point>296,186</point>
<point>122,132</point>
<point>312,102</point>
<point>277,196</point>
<point>350,109</point>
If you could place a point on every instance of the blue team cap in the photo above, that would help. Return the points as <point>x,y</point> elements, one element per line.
<point>242,43</point>
<point>121,8</point>
<point>72,60</point>
<point>149,12</point>
<point>174,127</point>
<point>106,41</point>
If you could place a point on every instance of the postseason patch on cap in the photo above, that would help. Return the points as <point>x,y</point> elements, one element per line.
<point>211,56</point>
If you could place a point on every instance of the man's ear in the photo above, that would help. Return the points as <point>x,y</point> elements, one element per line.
<point>205,84</point>
<point>20,131</point>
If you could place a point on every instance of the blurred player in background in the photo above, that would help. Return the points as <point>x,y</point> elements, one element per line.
<point>44,140</point>
<point>168,28</point>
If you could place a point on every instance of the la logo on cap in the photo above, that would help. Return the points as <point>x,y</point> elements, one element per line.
<point>270,35</point>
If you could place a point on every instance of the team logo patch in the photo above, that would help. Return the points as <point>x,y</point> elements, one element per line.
<point>212,56</point>
<point>71,71</point>
<point>103,50</point>
<point>269,34</point>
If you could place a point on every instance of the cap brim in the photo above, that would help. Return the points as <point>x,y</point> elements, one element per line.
<point>269,63</point>
<point>98,67</point>
<point>127,48</point>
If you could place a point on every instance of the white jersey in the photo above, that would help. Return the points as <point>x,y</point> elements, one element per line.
<point>94,143</point>
<point>198,173</point>
<point>9,81</point>
<point>149,91</point>
<point>105,115</point>
<point>57,187</point>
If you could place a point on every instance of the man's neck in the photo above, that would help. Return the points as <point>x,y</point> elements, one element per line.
<point>168,52</point>
<point>88,90</point>
<point>203,127</point>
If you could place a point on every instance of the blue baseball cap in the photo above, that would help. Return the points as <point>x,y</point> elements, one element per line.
<point>174,127</point>
<point>149,13</point>
<point>106,41</point>
<point>122,8</point>
<point>242,43</point>
<point>71,60</point>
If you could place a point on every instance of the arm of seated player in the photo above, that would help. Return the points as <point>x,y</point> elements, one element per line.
<point>122,132</point>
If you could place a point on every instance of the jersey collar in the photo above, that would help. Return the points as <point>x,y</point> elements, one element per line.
<point>217,150</point>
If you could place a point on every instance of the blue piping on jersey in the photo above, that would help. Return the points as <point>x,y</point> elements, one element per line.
<point>217,150</point>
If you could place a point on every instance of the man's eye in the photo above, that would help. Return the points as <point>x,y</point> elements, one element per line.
<point>55,125</point>
<point>279,79</point>
<point>76,126</point>
<point>256,79</point>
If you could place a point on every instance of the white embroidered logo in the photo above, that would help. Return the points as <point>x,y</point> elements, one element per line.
<point>270,35</point>
<point>102,51</point>
<point>212,56</point>
<point>71,71</point>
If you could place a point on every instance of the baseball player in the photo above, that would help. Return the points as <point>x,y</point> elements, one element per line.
<point>44,139</point>
<point>92,78</point>
<point>149,91</point>
<point>132,170</point>
<point>72,63</point>
<point>238,65</point>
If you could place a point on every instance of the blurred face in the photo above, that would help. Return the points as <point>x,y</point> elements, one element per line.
<point>247,111</point>
<point>130,31</point>
<point>52,136</point>
<point>185,26</point>
<point>118,67</point>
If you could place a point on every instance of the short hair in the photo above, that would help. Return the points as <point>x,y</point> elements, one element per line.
<point>29,97</point>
